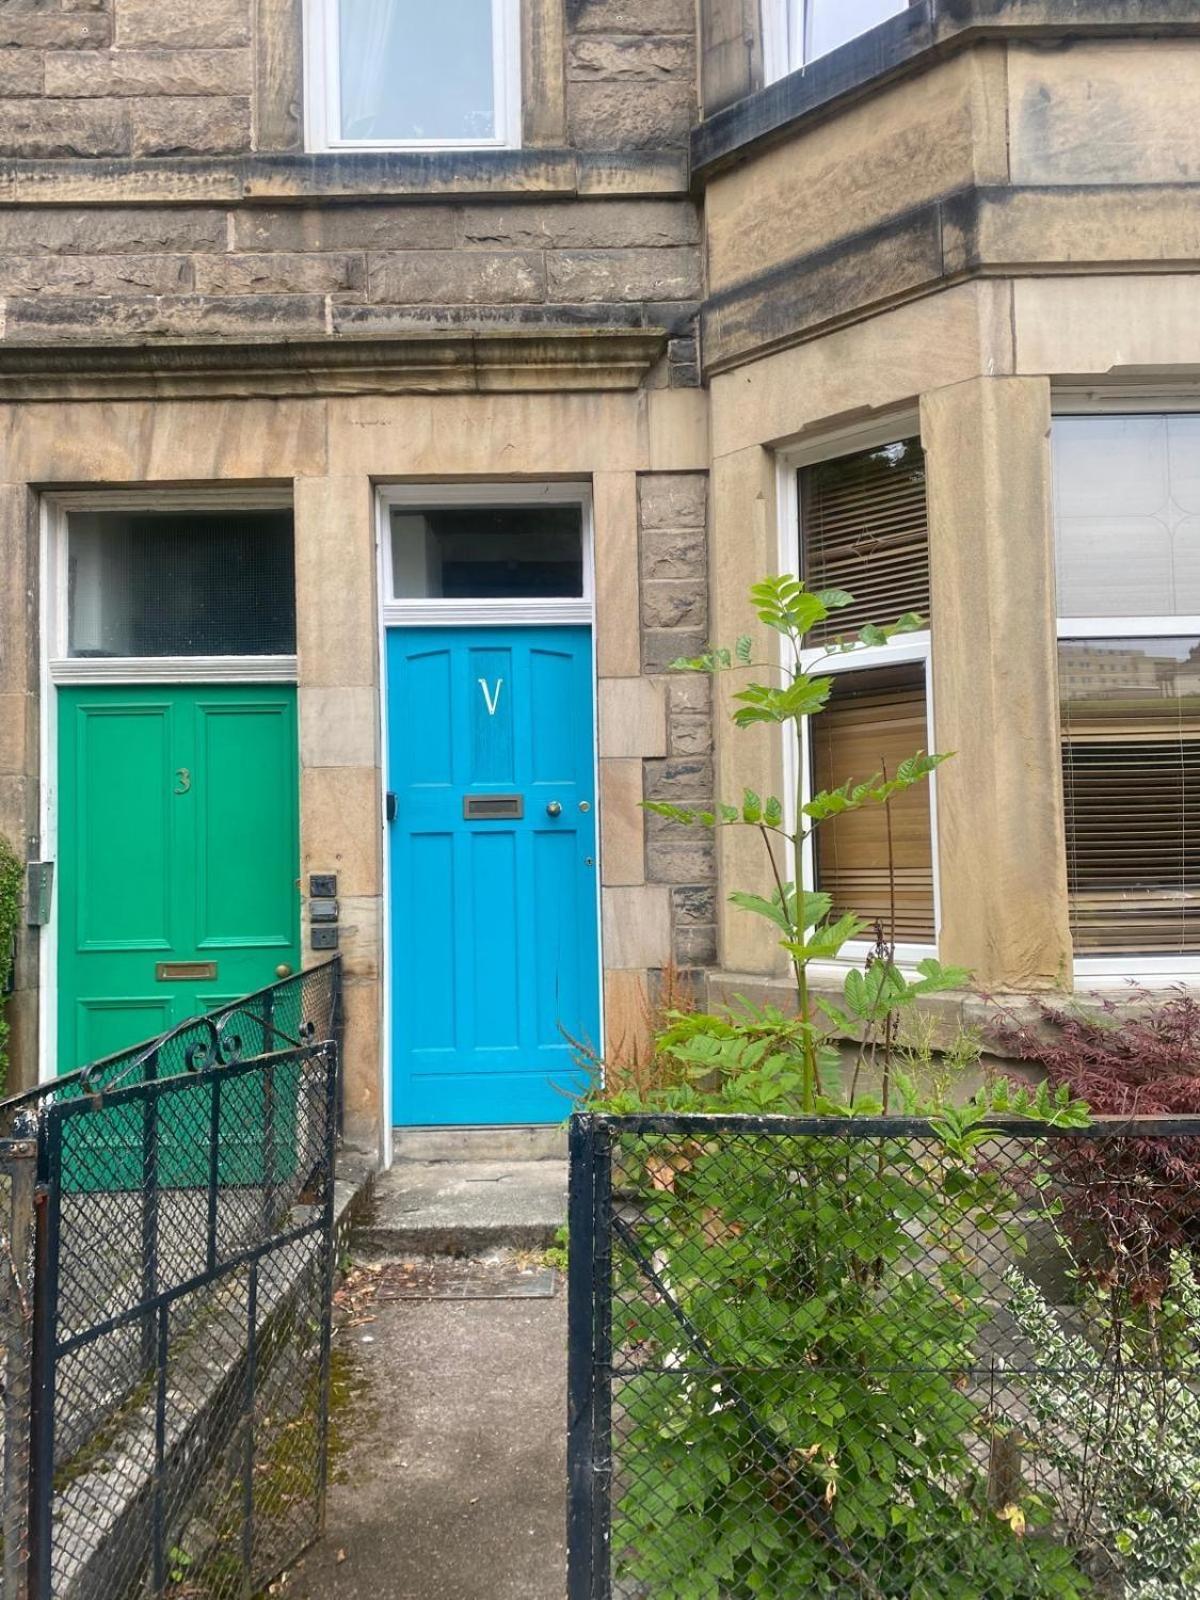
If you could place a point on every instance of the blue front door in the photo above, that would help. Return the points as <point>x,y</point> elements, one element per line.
<point>495,959</point>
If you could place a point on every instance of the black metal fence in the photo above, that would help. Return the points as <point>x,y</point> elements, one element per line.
<point>165,1297</point>
<point>884,1358</point>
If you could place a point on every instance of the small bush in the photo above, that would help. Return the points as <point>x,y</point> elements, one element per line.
<point>1129,1203</point>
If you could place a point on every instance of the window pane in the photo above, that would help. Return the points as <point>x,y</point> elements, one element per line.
<point>503,553</point>
<point>1131,779</point>
<point>1127,512</point>
<point>865,529</point>
<point>411,70</point>
<point>180,584</point>
<point>836,21</point>
<point>876,719</point>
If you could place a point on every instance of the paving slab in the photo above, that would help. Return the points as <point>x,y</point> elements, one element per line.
<point>463,1208</point>
<point>449,1479</point>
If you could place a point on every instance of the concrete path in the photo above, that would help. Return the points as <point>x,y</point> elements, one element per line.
<point>450,1476</point>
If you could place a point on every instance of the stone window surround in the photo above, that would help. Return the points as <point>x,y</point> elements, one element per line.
<point>279,74</point>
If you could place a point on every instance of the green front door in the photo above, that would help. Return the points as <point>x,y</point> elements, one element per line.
<point>178,856</point>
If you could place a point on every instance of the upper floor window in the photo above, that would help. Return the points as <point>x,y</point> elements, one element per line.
<point>798,31</point>
<point>407,75</point>
<point>1127,522</point>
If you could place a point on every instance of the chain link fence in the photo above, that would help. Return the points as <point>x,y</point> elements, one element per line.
<point>884,1358</point>
<point>165,1298</point>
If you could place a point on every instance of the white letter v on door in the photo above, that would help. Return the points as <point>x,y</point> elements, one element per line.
<point>491,697</point>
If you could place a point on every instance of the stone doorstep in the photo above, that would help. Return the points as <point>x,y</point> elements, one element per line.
<point>520,1142</point>
<point>463,1208</point>
<point>96,1527</point>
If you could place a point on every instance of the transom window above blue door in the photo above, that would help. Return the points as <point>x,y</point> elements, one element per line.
<point>796,32</point>
<point>407,75</point>
<point>487,553</point>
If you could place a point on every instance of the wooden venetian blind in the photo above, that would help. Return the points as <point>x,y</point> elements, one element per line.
<point>876,718</point>
<point>865,529</point>
<point>1131,782</point>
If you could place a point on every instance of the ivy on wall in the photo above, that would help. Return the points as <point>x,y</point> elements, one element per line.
<point>11,874</point>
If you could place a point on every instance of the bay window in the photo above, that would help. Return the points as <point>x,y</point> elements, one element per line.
<point>401,74</point>
<point>796,32</point>
<point>863,527</point>
<point>1127,529</point>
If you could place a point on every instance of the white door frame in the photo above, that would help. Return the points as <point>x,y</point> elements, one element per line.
<point>472,614</point>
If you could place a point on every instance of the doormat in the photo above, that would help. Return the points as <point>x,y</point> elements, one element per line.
<point>448,1278</point>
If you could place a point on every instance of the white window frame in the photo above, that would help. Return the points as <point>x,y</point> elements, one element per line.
<point>903,650</point>
<point>61,667</point>
<point>322,84</point>
<point>480,613</point>
<point>1120,971</point>
<point>787,30</point>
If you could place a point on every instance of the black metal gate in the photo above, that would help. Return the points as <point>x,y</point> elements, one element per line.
<point>181,1269</point>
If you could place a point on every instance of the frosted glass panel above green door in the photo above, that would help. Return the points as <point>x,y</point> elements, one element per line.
<point>178,855</point>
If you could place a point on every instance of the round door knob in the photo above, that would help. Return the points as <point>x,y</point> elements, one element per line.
<point>554,809</point>
<point>283,970</point>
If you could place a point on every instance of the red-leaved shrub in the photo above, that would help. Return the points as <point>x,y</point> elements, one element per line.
<point>1127,1201</point>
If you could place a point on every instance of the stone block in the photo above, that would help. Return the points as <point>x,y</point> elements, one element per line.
<point>690,735</point>
<point>111,230</point>
<point>52,30</point>
<point>628,1018</point>
<point>674,553</point>
<point>43,128</point>
<point>684,778</point>
<point>95,74</point>
<point>95,275</point>
<point>21,73</point>
<point>637,927</point>
<point>632,717</point>
<point>190,127</point>
<point>631,16</point>
<point>1105,111</point>
<point>694,904</point>
<point>662,646</point>
<point>254,273</point>
<point>622,829</point>
<point>674,603</point>
<point>361,1059</point>
<point>603,275</point>
<point>359,934</point>
<point>672,500</point>
<point>614,506</point>
<point>18,729</point>
<point>336,621</point>
<point>695,947</point>
<point>211,24</point>
<point>344,227</point>
<point>38,319</point>
<point>436,277</point>
<point>630,116</point>
<point>673,861</point>
<point>581,224</point>
<point>689,692</point>
<point>638,57</point>
<point>278,61</point>
<point>339,727</point>
<point>341,826</point>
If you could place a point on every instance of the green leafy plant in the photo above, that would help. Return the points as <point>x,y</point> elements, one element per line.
<point>1121,1426</point>
<point>10,917</point>
<point>824,1296</point>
